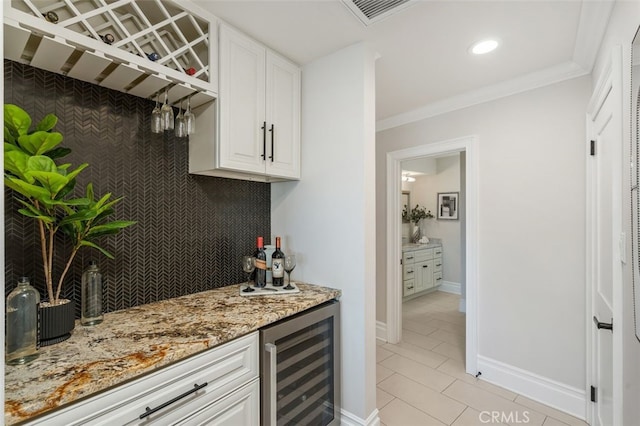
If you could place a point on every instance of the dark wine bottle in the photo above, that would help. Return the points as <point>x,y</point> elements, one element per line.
<point>261,264</point>
<point>277,265</point>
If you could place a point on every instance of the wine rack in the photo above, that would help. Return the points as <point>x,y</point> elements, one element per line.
<point>137,47</point>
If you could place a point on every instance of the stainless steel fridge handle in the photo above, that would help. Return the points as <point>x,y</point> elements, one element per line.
<point>272,350</point>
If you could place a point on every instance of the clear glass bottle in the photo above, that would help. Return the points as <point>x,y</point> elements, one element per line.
<point>91,294</point>
<point>22,324</point>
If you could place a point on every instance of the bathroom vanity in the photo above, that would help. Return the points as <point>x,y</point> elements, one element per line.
<point>421,268</point>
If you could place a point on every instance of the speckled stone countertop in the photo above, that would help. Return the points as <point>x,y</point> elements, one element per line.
<point>433,242</point>
<point>140,340</point>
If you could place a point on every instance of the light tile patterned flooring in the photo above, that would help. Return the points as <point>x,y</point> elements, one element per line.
<point>422,382</point>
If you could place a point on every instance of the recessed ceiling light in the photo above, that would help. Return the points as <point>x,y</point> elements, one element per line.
<point>484,46</point>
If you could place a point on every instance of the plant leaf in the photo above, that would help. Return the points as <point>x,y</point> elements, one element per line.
<point>41,163</point>
<point>109,228</point>
<point>74,173</point>
<point>52,181</point>
<point>16,119</point>
<point>82,215</point>
<point>16,163</point>
<point>47,123</point>
<point>97,247</point>
<point>39,143</point>
<point>58,152</point>
<point>46,219</point>
<point>28,190</point>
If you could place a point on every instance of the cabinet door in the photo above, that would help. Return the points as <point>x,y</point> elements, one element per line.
<point>424,271</point>
<point>283,117</point>
<point>242,103</point>
<point>409,287</point>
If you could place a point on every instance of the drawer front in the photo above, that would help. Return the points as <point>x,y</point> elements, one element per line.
<point>408,272</point>
<point>422,255</point>
<point>437,278</point>
<point>437,264</point>
<point>224,369</point>
<point>437,251</point>
<point>408,257</point>
<point>409,287</point>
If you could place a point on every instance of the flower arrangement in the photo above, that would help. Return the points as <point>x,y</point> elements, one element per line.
<point>416,214</point>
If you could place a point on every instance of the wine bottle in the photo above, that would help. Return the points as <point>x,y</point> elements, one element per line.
<point>277,265</point>
<point>261,264</point>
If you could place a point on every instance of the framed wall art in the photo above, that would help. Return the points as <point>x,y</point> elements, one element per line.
<point>448,205</point>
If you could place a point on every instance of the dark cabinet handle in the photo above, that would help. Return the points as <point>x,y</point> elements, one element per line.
<point>264,140</point>
<point>150,411</point>
<point>425,266</point>
<point>438,279</point>
<point>272,153</point>
<point>409,258</point>
<point>439,264</point>
<point>409,272</point>
<point>603,325</point>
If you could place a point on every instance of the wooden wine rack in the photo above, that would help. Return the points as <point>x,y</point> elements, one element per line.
<point>70,37</point>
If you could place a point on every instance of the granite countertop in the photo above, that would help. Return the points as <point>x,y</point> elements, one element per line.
<point>132,342</point>
<point>433,242</point>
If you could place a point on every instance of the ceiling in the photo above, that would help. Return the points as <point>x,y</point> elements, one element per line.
<point>424,66</point>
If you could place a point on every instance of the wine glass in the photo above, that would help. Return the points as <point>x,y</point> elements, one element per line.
<point>167,113</point>
<point>190,118</point>
<point>181,125</point>
<point>289,266</point>
<point>248,265</point>
<point>156,117</point>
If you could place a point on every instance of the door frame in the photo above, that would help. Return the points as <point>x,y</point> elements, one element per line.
<point>468,144</point>
<point>609,84</point>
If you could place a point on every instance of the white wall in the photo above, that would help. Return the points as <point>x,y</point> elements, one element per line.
<point>623,24</point>
<point>328,217</point>
<point>531,223</point>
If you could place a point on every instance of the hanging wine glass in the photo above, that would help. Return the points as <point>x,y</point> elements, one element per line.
<point>156,117</point>
<point>181,125</point>
<point>190,118</point>
<point>248,265</point>
<point>167,113</point>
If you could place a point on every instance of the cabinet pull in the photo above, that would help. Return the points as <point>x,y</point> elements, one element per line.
<point>264,140</point>
<point>272,153</point>
<point>273,392</point>
<point>409,272</point>
<point>409,258</point>
<point>150,411</point>
<point>438,279</point>
<point>425,266</point>
<point>439,264</point>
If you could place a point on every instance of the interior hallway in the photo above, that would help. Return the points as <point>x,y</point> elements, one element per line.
<point>422,382</point>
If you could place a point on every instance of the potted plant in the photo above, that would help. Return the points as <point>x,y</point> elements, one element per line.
<point>46,192</point>
<point>414,216</point>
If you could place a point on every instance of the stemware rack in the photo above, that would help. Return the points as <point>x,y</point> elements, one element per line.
<point>108,42</point>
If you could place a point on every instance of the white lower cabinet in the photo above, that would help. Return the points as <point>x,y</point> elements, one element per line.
<point>421,270</point>
<point>219,386</point>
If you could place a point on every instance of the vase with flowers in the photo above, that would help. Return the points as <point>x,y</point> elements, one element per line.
<point>46,191</point>
<point>415,215</point>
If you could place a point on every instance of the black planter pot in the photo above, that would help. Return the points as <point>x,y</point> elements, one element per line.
<point>56,323</point>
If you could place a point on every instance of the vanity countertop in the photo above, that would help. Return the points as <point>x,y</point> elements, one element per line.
<point>433,242</point>
<point>140,340</point>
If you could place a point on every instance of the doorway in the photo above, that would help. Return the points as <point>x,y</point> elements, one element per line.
<point>467,144</point>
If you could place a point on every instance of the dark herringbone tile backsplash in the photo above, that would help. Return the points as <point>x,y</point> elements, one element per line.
<point>192,230</point>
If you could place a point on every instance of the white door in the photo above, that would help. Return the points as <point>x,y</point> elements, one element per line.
<point>283,117</point>
<point>243,133</point>
<point>604,267</point>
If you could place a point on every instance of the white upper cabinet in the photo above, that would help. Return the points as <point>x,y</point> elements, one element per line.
<point>259,115</point>
<point>137,47</point>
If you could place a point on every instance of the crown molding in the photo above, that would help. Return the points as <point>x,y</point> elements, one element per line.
<point>594,17</point>
<point>534,80</point>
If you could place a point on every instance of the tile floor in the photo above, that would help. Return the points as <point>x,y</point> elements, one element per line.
<point>422,382</point>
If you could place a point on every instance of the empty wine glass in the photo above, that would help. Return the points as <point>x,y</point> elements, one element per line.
<point>156,117</point>
<point>181,124</point>
<point>167,113</point>
<point>248,265</point>
<point>289,265</point>
<point>190,118</point>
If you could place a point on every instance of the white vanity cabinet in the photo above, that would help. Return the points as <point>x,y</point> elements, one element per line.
<point>421,270</point>
<point>259,114</point>
<point>219,386</point>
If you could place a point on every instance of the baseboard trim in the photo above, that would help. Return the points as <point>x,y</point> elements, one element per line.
<point>450,287</point>
<point>349,419</point>
<point>549,392</point>
<point>381,331</point>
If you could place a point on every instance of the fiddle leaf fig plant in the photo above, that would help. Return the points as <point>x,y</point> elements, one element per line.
<point>46,192</point>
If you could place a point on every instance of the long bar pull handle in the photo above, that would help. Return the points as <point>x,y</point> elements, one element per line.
<point>150,411</point>
<point>272,153</point>
<point>603,325</point>
<point>264,140</point>
<point>273,390</point>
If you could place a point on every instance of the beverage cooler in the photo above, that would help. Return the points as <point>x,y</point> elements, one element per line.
<point>300,369</point>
